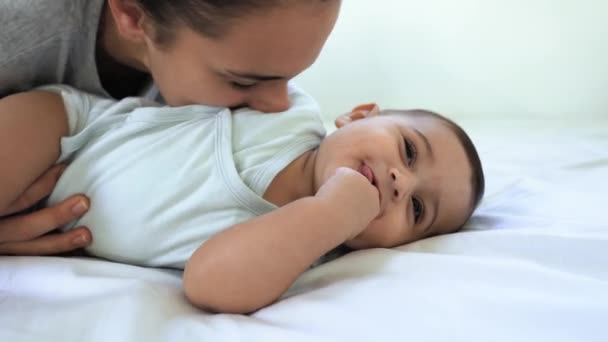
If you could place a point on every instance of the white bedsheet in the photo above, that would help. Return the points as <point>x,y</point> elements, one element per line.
<point>532,265</point>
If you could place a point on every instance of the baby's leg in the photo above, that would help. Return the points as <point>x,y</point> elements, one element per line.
<point>31,127</point>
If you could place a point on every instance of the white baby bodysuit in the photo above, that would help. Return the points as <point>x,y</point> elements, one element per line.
<point>163,180</point>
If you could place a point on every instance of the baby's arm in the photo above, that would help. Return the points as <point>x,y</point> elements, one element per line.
<point>31,127</point>
<point>251,264</point>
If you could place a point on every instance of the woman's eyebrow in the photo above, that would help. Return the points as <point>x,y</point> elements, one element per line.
<point>426,143</point>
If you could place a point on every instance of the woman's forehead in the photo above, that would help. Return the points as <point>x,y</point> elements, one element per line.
<point>283,42</point>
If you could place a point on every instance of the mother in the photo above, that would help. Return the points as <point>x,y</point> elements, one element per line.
<point>215,52</point>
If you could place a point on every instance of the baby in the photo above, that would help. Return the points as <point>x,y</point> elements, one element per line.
<point>243,201</point>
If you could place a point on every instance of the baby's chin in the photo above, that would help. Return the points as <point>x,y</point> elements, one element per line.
<point>360,242</point>
<point>355,244</point>
<point>368,239</point>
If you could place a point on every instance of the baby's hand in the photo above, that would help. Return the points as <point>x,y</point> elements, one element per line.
<point>353,197</point>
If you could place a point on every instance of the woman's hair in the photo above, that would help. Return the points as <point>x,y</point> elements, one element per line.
<point>477,178</point>
<point>211,18</point>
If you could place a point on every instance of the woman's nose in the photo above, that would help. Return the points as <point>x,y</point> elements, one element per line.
<point>402,183</point>
<point>271,97</point>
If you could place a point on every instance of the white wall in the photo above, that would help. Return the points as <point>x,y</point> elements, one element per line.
<point>467,57</point>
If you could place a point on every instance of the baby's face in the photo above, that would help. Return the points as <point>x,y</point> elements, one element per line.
<point>419,167</point>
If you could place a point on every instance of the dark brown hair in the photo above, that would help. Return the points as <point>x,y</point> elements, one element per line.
<point>211,18</point>
<point>477,178</point>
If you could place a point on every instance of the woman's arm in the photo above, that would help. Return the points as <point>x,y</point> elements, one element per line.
<point>31,126</point>
<point>251,264</point>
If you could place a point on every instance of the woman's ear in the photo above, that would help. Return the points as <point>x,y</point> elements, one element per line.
<point>129,18</point>
<point>359,112</point>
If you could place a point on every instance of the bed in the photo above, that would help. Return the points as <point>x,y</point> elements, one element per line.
<point>532,263</point>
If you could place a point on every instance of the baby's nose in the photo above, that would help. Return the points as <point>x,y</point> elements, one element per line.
<point>402,183</point>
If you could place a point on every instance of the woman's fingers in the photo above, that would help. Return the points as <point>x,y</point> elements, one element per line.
<point>33,225</point>
<point>41,188</point>
<point>49,244</point>
<point>27,234</point>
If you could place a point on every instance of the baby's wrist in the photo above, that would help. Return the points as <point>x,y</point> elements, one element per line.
<point>349,221</point>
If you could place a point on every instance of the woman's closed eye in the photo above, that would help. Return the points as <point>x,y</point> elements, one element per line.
<point>242,85</point>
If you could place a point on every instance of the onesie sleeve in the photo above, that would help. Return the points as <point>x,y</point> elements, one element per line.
<point>83,111</point>
<point>81,108</point>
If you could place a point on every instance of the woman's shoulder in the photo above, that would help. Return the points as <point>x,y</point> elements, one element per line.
<point>38,39</point>
<point>45,17</point>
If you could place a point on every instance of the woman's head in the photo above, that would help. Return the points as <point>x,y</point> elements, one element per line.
<point>225,52</point>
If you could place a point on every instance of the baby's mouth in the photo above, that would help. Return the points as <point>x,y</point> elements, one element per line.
<point>369,174</point>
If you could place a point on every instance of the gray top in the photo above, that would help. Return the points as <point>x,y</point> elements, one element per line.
<point>48,42</point>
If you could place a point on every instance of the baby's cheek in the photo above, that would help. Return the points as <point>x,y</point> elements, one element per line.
<point>393,228</point>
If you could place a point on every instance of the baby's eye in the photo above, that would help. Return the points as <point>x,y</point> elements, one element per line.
<point>410,152</point>
<point>418,209</point>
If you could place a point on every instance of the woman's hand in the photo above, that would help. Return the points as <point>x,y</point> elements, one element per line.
<point>26,234</point>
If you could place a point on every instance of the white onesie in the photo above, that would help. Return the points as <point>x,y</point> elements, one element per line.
<point>163,180</point>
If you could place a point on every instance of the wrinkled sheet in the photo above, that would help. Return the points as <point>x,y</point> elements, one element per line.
<point>532,265</point>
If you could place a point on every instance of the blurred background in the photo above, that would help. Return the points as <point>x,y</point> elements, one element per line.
<point>468,58</point>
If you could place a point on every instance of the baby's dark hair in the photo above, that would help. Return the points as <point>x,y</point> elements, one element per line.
<point>211,18</point>
<point>477,178</point>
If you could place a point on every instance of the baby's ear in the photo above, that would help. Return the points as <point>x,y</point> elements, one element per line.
<point>359,112</point>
